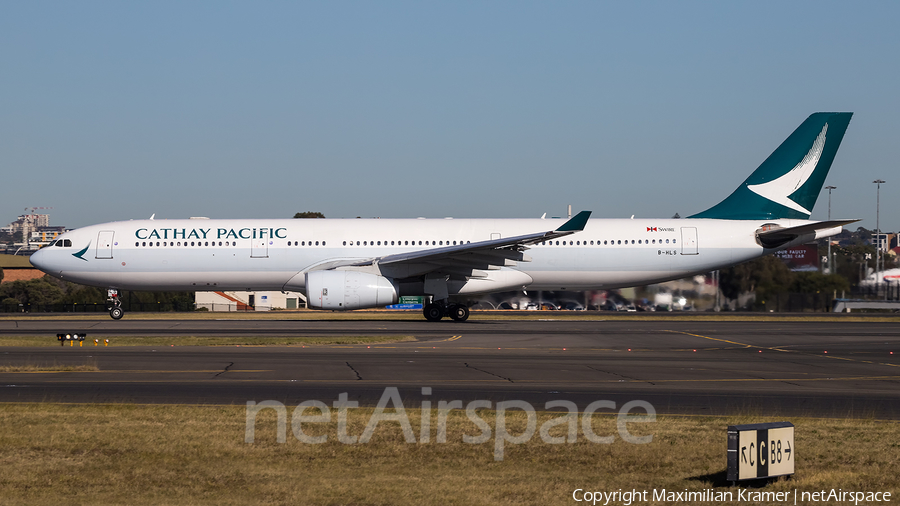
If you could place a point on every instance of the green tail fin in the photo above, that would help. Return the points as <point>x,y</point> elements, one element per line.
<point>788,183</point>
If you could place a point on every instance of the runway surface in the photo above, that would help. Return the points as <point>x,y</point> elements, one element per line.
<point>681,367</point>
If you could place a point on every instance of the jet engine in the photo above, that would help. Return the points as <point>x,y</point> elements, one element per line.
<point>346,290</point>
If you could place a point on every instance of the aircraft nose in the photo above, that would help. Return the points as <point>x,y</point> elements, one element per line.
<point>39,259</point>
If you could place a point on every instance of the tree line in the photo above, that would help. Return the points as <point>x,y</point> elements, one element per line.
<point>50,292</point>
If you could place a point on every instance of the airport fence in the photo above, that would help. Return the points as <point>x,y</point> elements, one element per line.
<point>96,307</point>
<point>888,290</point>
<point>226,307</point>
<point>799,303</point>
<point>824,302</point>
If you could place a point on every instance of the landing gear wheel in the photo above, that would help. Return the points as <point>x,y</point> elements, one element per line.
<point>116,313</point>
<point>433,312</point>
<point>459,312</point>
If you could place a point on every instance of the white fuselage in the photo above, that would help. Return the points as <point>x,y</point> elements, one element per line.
<point>207,255</point>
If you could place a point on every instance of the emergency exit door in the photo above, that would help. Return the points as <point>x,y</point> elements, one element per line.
<point>105,244</point>
<point>689,241</point>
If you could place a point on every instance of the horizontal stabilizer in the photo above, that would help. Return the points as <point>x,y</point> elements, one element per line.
<point>777,237</point>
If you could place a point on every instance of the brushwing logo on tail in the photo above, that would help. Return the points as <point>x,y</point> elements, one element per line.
<point>779,189</point>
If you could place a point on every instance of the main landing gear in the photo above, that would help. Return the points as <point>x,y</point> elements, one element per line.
<point>115,305</point>
<point>435,311</point>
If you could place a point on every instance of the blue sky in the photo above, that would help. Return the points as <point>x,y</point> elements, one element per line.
<point>118,110</point>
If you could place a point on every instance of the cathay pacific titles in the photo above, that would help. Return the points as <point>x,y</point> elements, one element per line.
<point>204,233</point>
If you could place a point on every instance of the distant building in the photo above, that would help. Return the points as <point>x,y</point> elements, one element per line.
<point>882,241</point>
<point>44,235</point>
<point>36,232</point>
<point>249,301</point>
<point>27,223</point>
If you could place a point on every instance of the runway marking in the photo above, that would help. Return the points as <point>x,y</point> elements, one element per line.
<point>745,345</point>
<point>534,382</point>
<point>454,338</point>
<point>137,371</point>
<point>783,350</point>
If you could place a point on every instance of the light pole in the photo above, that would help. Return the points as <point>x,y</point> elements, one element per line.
<point>830,268</point>
<point>878,235</point>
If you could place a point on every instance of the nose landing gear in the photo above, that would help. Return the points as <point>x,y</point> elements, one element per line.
<point>115,305</point>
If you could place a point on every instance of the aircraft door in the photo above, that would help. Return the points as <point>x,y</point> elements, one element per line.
<point>105,244</point>
<point>259,248</point>
<point>689,241</point>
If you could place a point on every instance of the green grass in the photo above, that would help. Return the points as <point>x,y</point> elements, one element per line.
<point>46,341</point>
<point>50,368</point>
<point>157,454</point>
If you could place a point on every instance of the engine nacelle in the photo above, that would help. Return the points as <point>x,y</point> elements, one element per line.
<point>346,290</point>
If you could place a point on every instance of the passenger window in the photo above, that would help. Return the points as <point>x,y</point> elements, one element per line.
<point>143,244</point>
<point>135,244</point>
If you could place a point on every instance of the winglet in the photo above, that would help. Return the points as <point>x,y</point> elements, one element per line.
<point>576,223</point>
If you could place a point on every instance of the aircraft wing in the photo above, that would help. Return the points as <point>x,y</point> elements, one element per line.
<point>466,260</point>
